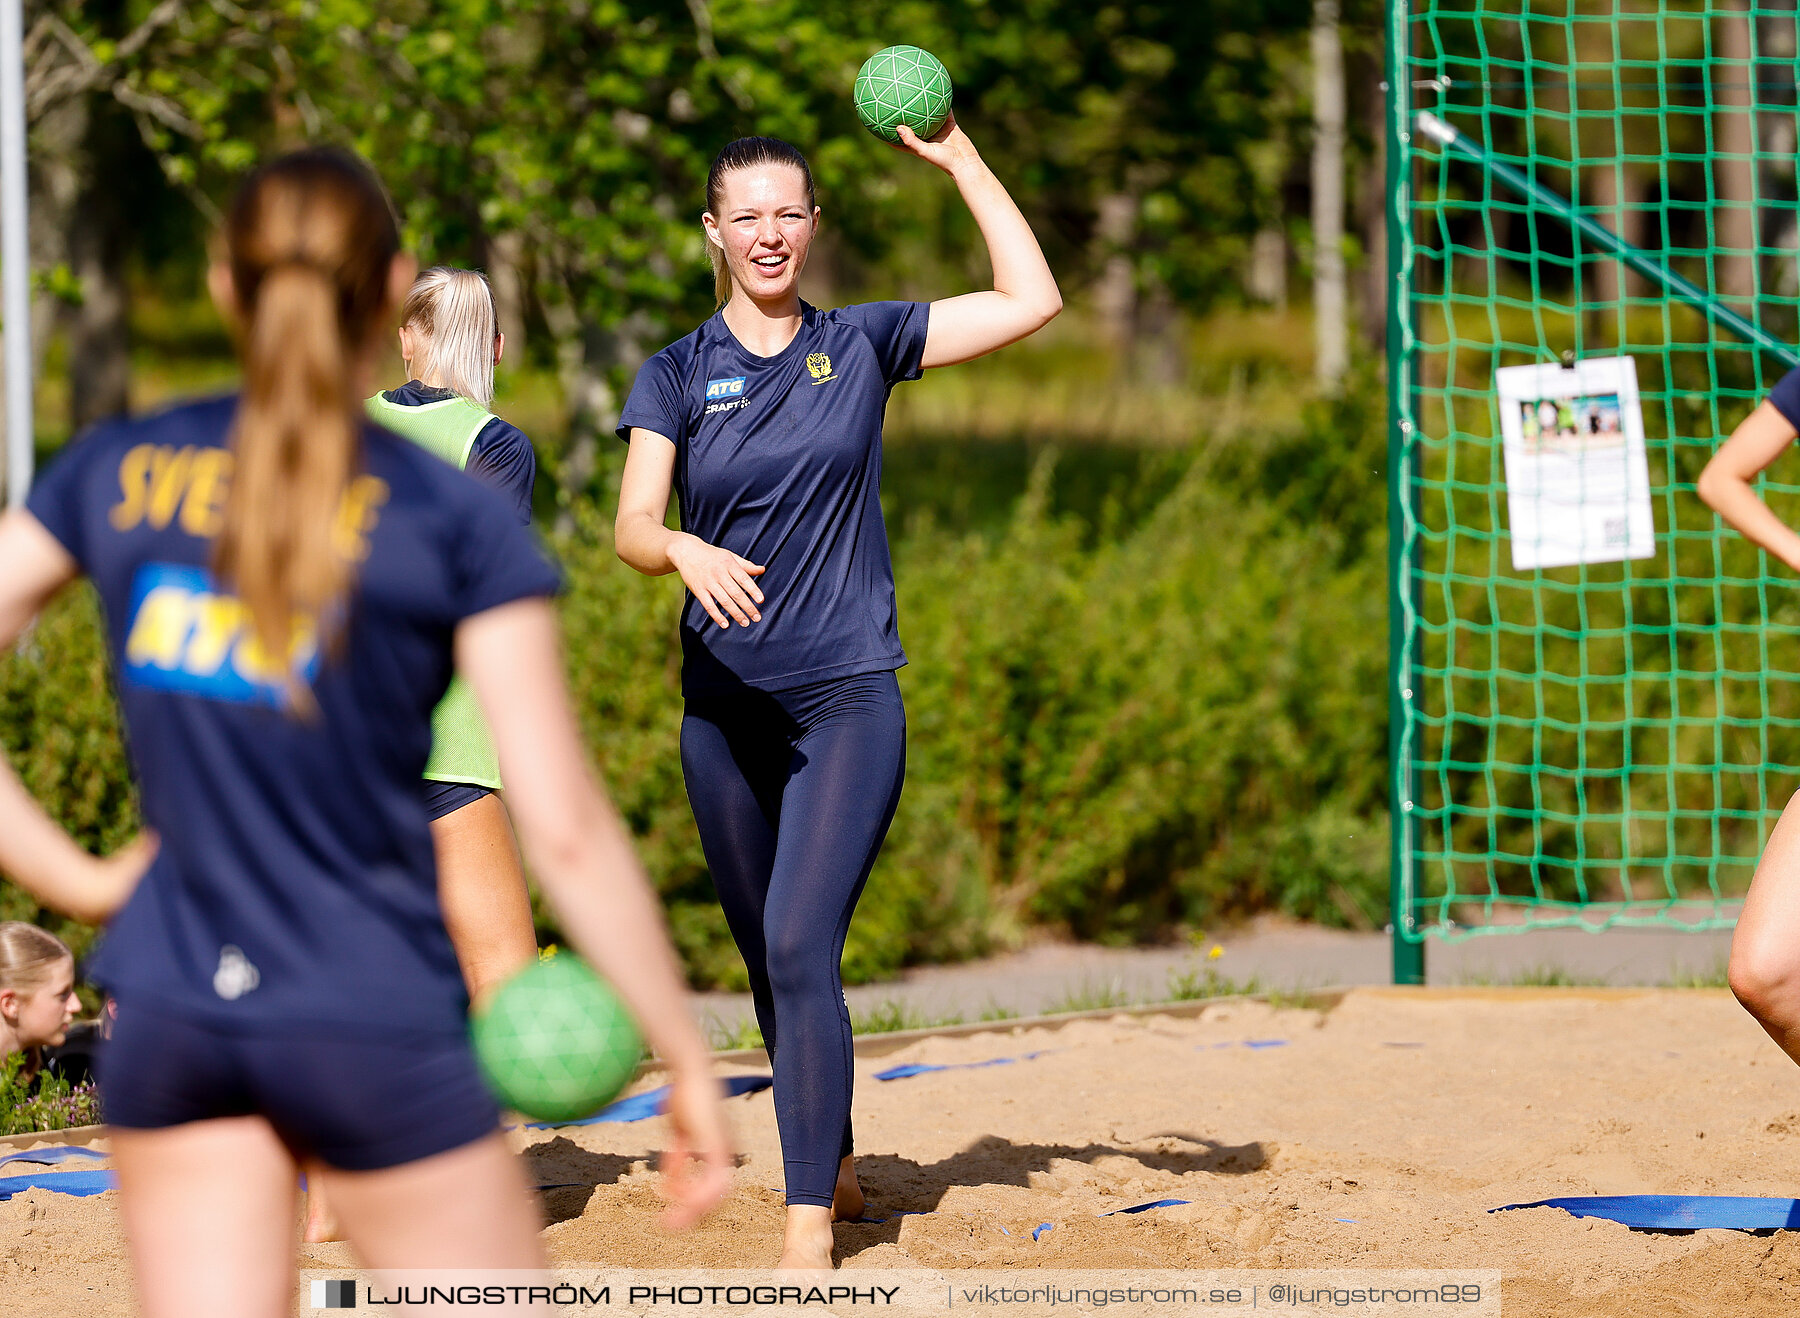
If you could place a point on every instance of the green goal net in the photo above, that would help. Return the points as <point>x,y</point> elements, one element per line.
<point>1595,687</point>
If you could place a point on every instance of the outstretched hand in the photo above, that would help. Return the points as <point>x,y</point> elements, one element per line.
<point>949,149</point>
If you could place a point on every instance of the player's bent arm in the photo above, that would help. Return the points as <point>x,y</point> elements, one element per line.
<point>1024,297</point>
<point>721,580</point>
<point>1725,484</point>
<point>35,852</point>
<point>640,533</point>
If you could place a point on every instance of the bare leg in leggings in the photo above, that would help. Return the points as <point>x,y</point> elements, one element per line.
<point>793,793</point>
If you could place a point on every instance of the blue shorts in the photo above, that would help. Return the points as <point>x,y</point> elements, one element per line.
<point>357,1102</point>
<point>447,798</point>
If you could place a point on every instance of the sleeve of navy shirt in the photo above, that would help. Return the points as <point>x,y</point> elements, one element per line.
<point>58,497</point>
<point>494,559</point>
<point>897,329</point>
<point>1786,397</point>
<point>655,401</point>
<point>502,459</point>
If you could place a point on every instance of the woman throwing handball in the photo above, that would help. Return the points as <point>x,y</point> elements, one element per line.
<point>286,588</point>
<point>767,422</point>
<point>1765,950</point>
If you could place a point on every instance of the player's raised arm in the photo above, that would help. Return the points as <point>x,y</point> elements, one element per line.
<point>1024,297</point>
<point>1726,486</point>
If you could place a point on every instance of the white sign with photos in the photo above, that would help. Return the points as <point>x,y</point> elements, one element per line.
<point>1577,483</point>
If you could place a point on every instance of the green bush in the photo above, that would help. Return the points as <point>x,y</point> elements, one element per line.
<point>52,1103</point>
<point>1125,717</point>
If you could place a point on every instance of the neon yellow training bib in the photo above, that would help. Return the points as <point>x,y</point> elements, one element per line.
<point>462,748</point>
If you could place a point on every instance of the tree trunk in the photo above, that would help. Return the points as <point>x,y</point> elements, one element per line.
<point>1777,40</point>
<point>1734,141</point>
<point>1330,339</point>
<point>1267,278</point>
<point>98,333</point>
<point>504,253</point>
<point>1371,211</point>
<point>1115,292</point>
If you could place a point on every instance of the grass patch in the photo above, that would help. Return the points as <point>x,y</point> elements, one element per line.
<point>1206,982</point>
<point>891,1015</point>
<point>739,1036</point>
<point>1090,996</point>
<point>1538,977</point>
<point>1716,978</point>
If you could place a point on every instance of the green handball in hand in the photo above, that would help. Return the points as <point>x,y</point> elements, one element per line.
<point>902,85</point>
<point>555,1042</point>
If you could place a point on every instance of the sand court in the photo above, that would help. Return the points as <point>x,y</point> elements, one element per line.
<point>1375,1133</point>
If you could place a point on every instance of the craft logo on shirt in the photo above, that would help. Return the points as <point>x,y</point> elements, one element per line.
<point>818,365</point>
<point>724,395</point>
<point>184,634</point>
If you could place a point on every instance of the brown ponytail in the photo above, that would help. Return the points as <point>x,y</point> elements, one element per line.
<point>310,239</point>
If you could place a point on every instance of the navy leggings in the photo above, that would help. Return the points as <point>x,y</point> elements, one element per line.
<point>793,792</point>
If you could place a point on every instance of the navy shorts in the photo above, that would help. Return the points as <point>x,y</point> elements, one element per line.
<point>447,798</point>
<point>357,1103</point>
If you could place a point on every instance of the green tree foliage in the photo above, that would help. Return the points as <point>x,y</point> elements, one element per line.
<point>586,129</point>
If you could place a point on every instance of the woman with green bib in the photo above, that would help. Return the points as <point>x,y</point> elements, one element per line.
<point>450,343</point>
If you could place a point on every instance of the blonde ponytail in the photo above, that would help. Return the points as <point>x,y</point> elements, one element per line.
<point>310,239</point>
<point>453,312</point>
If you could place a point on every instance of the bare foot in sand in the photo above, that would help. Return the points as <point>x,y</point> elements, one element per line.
<point>847,1202</point>
<point>806,1245</point>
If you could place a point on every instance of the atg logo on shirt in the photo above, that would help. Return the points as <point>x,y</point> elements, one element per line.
<point>184,634</point>
<point>725,395</point>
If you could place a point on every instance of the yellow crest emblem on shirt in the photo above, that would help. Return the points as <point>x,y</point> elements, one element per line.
<point>820,367</point>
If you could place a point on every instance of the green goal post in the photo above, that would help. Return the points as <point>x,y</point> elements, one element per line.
<point>1603,742</point>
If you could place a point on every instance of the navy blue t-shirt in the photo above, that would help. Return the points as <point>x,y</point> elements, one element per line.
<point>1786,397</point>
<point>501,456</point>
<point>296,882</point>
<point>779,459</point>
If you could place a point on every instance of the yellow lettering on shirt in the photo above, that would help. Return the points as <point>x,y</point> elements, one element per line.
<point>218,620</point>
<point>134,488</point>
<point>203,510</point>
<point>160,630</point>
<point>158,481</point>
<point>169,470</point>
<point>357,516</point>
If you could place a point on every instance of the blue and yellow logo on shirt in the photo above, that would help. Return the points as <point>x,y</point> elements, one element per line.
<point>184,634</point>
<point>818,365</point>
